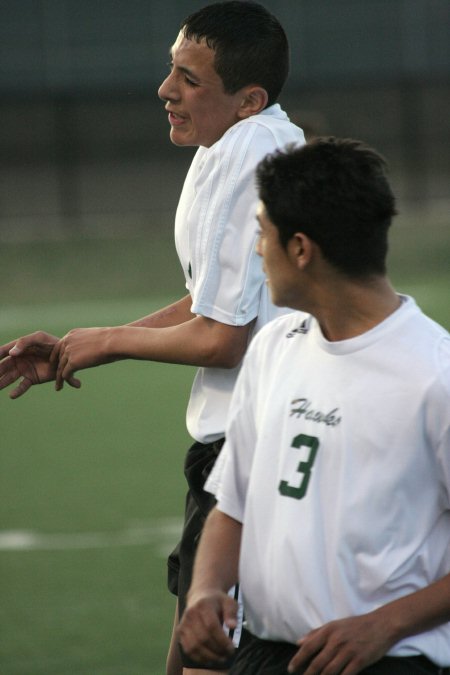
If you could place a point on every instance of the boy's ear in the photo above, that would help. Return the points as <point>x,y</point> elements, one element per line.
<point>254,100</point>
<point>301,248</point>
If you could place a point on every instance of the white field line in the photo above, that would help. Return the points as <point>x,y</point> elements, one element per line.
<point>160,532</point>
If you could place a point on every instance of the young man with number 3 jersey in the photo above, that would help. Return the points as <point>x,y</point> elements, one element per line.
<point>333,486</point>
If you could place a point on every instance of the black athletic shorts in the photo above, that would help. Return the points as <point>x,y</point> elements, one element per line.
<point>198,464</point>
<point>263,657</point>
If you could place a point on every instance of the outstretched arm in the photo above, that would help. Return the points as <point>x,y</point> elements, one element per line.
<point>198,342</point>
<point>347,646</point>
<point>27,358</point>
<point>209,606</point>
<point>171,335</point>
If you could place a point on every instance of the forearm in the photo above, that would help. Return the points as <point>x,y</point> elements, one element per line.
<point>198,342</point>
<point>172,315</point>
<point>358,641</point>
<point>418,612</point>
<point>217,560</point>
<point>209,607</point>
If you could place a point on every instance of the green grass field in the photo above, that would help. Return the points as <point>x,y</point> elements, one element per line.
<point>91,481</point>
<point>92,494</point>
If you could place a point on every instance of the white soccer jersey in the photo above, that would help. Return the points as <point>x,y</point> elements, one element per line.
<point>337,461</point>
<point>215,236</point>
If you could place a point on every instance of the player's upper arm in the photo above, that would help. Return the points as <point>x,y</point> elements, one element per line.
<point>223,345</point>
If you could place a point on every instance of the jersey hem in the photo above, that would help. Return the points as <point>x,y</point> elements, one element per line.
<point>223,317</point>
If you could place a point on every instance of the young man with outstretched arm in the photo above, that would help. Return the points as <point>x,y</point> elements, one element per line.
<point>228,65</point>
<point>333,486</point>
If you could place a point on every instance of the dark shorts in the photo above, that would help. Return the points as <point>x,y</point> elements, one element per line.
<point>198,464</point>
<point>263,657</point>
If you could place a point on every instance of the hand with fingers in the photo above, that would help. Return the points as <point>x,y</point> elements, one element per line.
<point>81,348</point>
<point>200,631</point>
<point>28,358</point>
<point>346,646</point>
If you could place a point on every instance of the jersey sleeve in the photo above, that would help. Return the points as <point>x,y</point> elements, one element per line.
<point>439,415</point>
<point>226,272</point>
<point>236,458</point>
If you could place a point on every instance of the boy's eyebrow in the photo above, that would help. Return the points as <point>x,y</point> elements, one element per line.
<point>183,69</point>
<point>188,71</point>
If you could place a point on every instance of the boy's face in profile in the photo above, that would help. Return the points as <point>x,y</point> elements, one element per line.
<point>280,264</point>
<point>200,111</point>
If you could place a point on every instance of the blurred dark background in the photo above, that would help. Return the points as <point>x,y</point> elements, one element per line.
<point>84,147</point>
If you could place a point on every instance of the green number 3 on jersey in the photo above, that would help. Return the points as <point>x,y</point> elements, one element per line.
<point>287,489</point>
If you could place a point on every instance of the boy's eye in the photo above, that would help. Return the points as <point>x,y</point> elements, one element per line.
<point>187,79</point>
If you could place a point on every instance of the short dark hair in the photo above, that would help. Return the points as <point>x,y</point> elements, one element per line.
<point>250,44</point>
<point>337,193</point>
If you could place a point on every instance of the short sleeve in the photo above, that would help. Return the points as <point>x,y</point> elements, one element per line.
<point>236,458</point>
<point>227,274</point>
<point>439,416</point>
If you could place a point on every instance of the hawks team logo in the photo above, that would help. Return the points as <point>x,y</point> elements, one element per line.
<point>302,407</point>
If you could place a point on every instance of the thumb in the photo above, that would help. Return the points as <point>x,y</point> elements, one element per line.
<point>74,382</point>
<point>230,609</point>
<point>36,343</point>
